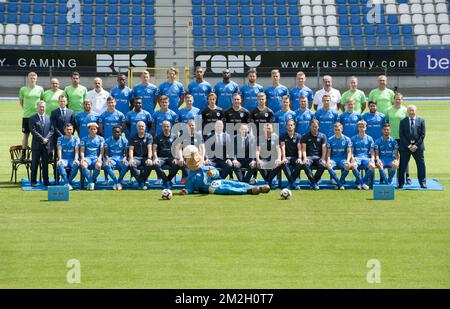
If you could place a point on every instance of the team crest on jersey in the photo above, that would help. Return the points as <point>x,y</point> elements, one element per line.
<point>241,115</point>
<point>148,90</point>
<point>218,114</point>
<point>266,115</point>
<point>330,116</point>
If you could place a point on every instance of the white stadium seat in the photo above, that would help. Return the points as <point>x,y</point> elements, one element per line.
<point>419,29</point>
<point>319,21</point>
<point>430,19</point>
<point>417,19</point>
<point>321,41</point>
<point>440,1</point>
<point>24,29</point>
<point>441,8</point>
<point>333,41</point>
<point>36,40</point>
<point>330,10</point>
<point>317,10</point>
<point>320,31</point>
<point>23,40</point>
<point>308,41</point>
<point>305,10</point>
<point>328,2</point>
<point>36,29</point>
<point>332,31</point>
<point>10,29</point>
<point>444,29</point>
<point>422,40</point>
<point>414,1</point>
<point>403,8</point>
<point>428,8</point>
<point>391,9</point>
<point>316,2</point>
<point>405,19</point>
<point>306,21</point>
<point>442,19</point>
<point>427,1</point>
<point>306,2</point>
<point>416,9</point>
<point>308,31</point>
<point>446,39</point>
<point>435,40</point>
<point>432,29</point>
<point>10,39</point>
<point>331,21</point>
<point>385,2</point>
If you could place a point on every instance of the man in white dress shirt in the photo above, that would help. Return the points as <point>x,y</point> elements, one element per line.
<point>98,96</point>
<point>335,95</point>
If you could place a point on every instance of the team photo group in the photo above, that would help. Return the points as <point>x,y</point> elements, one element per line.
<point>220,137</point>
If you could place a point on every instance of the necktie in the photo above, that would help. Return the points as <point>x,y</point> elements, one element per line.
<point>42,119</point>
<point>411,127</point>
<point>63,111</point>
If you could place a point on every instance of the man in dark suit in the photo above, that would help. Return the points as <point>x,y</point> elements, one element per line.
<point>244,154</point>
<point>412,135</point>
<point>60,117</point>
<point>42,131</point>
<point>218,147</point>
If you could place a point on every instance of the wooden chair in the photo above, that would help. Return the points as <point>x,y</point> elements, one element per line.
<point>17,160</point>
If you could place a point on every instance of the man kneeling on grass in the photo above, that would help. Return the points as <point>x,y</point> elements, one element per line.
<point>206,179</point>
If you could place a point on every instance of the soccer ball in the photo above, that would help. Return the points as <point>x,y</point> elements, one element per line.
<point>285,194</point>
<point>166,194</point>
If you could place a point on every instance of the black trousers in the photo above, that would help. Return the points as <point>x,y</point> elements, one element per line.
<point>226,170</point>
<point>174,168</point>
<point>314,162</point>
<point>418,156</point>
<point>141,171</point>
<point>292,169</point>
<point>245,163</point>
<point>41,155</point>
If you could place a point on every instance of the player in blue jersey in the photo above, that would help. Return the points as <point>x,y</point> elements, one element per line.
<point>349,119</point>
<point>303,117</point>
<point>363,154</point>
<point>386,155</point>
<point>148,92</point>
<point>339,155</point>
<point>172,89</point>
<point>85,117</point>
<point>326,117</point>
<point>116,148</point>
<point>136,115</point>
<point>199,89</point>
<point>225,90</point>
<point>163,114</point>
<point>301,90</point>
<point>91,155</point>
<point>110,118</point>
<point>123,95</point>
<point>67,147</point>
<point>249,92</point>
<point>282,116</point>
<point>189,112</point>
<point>206,179</point>
<point>374,121</point>
<point>275,92</point>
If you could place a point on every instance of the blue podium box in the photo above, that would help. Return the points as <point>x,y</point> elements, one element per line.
<point>383,192</point>
<point>58,193</point>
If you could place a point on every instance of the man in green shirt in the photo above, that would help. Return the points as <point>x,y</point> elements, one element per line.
<point>354,94</point>
<point>382,95</point>
<point>29,96</point>
<point>75,94</point>
<point>51,96</point>
<point>394,115</point>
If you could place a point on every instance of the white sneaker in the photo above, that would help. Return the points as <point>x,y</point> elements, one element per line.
<point>358,187</point>
<point>365,187</point>
<point>119,187</point>
<point>252,181</point>
<point>114,187</point>
<point>341,188</point>
<point>91,186</point>
<point>70,187</point>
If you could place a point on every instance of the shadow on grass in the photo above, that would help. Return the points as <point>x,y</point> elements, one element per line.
<point>10,185</point>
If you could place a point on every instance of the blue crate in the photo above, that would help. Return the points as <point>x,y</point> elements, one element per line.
<point>383,192</point>
<point>58,193</point>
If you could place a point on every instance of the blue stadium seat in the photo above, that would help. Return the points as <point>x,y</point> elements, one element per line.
<point>112,20</point>
<point>358,41</point>
<point>394,29</point>
<point>136,20</point>
<point>406,29</point>
<point>355,10</point>
<point>221,10</point>
<point>210,21</point>
<point>269,10</point>
<point>259,31</point>
<point>342,10</point>
<point>256,2</point>
<point>408,40</point>
<point>210,31</point>
<point>124,41</point>
<point>222,20</point>
<point>396,41</point>
<point>100,9</point>
<point>62,30</point>
<point>61,40</point>
<point>211,42</point>
<point>149,2</point>
<point>87,19</point>
<point>345,41</point>
<point>198,42</point>
<point>124,31</point>
<point>292,2</point>
<point>283,31</point>
<point>260,42</point>
<point>99,42</point>
<point>355,20</point>
<point>268,2</point>
<point>233,10</point>
<point>99,19</point>
<point>356,30</point>
<point>150,20</point>
<point>245,10</point>
<point>343,20</point>
<point>112,9</point>
<point>247,41</point>
<point>11,19</point>
<point>392,19</point>
<point>25,8</point>
<point>149,41</point>
<point>48,40</point>
<point>196,10</point>
<point>381,29</point>
<point>124,20</point>
<point>281,10</point>
<point>271,41</point>
<point>87,9</point>
<point>280,2</point>
<point>223,42</point>
<point>197,2</point>
<point>246,20</point>
<point>234,30</point>
<point>284,41</point>
<point>296,41</point>
<point>197,21</point>
<point>257,20</point>
<point>136,31</point>
<point>24,19</point>
<point>293,10</point>
<point>369,30</point>
<point>99,30</point>
<point>197,31</point>
<point>2,7</point>
<point>87,31</point>
<point>74,41</point>
<point>294,20</point>
<point>49,29</point>
<point>244,2</point>
<point>115,2</point>
<point>270,31</point>
<point>341,2</point>
<point>124,10</point>
<point>75,29</point>
<point>371,41</point>
<point>137,10</point>
<point>383,41</point>
<point>111,31</point>
<point>38,19</point>
<point>281,21</point>
<point>233,20</point>
<point>222,31</point>
<point>354,2</point>
<point>209,2</point>
<point>295,31</point>
<point>343,30</point>
<point>149,10</point>
<point>257,10</point>
<point>149,31</point>
<point>246,31</point>
<point>12,8</point>
<point>270,20</point>
<point>210,10</point>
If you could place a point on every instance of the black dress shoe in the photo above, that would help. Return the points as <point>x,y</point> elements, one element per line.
<point>33,184</point>
<point>400,187</point>
<point>423,186</point>
<point>408,181</point>
<point>46,184</point>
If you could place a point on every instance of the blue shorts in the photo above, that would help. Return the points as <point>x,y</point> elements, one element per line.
<point>387,163</point>
<point>116,163</point>
<point>362,162</point>
<point>66,162</point>
<point>90,162</point>
<point>339,164</point>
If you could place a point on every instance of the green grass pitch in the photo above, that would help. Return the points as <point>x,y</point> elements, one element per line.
<point>314,240</point>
